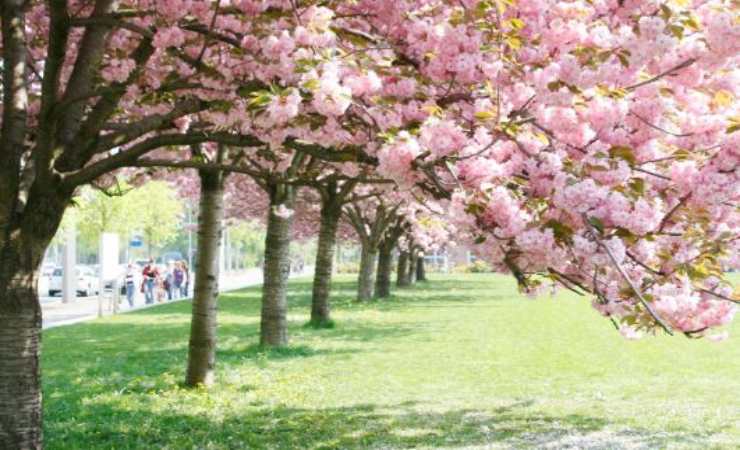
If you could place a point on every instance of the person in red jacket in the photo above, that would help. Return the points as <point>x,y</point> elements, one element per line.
<point>151,275</point>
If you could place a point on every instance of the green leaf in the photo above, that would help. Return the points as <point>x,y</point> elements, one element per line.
<point>259,99</point>
<point>676,30</point>
<point>555,85</point>
<point>623,152</point>
<point>311,85</point>
<point>597,223</point>
<point>484,115</point>
<point>515,23</point>
<point>514,42</point>
<point>637,185</point>
<point>623,60</point>
<point>561,231</point>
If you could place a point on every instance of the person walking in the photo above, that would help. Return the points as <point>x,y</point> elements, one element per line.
<point>151,276</point>
<point>179,279</point>
<point>169,281</point>
<point>186,280</point>
<point>128,282</point>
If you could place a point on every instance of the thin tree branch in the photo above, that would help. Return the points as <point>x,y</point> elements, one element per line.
<point>683,65</point>
<point>627,279</point>
<point>130,155</point>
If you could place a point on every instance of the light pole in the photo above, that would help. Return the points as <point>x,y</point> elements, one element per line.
<point>69,268</point>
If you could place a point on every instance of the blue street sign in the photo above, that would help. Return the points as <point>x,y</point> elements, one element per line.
<point>136,241</point>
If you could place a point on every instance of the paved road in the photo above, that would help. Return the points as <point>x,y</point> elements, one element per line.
<point>56,313</point>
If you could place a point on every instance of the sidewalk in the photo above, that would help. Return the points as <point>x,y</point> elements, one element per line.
<point>56,313</point>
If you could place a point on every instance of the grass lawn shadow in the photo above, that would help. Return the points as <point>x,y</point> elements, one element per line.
<point>448,364</point>
<point>362,426</point>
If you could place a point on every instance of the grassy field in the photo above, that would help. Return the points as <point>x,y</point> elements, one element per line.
<point>461,362</point>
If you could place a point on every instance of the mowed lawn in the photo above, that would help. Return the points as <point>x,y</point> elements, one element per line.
<point>462,361</point>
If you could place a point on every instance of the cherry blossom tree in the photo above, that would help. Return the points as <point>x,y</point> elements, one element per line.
<point>334,195</point>
<point>92,87</point>
<point>395,230</point>
<point>370,219</point>
<point>202,343</point>
<point>593,142</point>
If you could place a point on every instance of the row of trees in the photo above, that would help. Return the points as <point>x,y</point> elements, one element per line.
<point>590,143</point>
<point>368,218</point>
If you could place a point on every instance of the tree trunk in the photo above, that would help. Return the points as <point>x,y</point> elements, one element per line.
<point>413,258</point>
<point>320,306</point>
<point>202,350</point>
<point>402,274</point>
<point>20,323</point>
<point>366,279</point>
<point>385,265</point>
<point>421,272</point>
<point>20,377</point>
<point>274,322</point>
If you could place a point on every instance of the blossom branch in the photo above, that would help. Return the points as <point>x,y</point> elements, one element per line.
<point>670,71</point>
<point>626,277</point>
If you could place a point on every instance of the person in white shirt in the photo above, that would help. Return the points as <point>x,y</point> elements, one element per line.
<point>130,285</point>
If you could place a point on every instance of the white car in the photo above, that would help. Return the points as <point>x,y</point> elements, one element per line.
<point>87,281</point>
<point>44,276</point>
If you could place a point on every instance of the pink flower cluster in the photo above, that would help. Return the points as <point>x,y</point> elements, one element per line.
<point>118,70</point>
<point>395,159</point>
<point>169,37</point>
<point>442,137</point>
<point>331,98</point>
<point>283,108</point>
<point>686,310</point>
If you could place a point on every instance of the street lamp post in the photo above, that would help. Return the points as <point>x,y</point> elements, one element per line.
<point>69,268</point>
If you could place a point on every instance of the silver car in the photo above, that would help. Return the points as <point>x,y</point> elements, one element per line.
<point>87,281</point>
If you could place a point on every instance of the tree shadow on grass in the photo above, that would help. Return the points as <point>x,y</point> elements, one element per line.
<point>365,426</point>
<point>246,302</point>
<point>258,352</point>
<point>107,356</point>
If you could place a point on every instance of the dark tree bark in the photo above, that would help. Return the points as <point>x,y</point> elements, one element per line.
<point>413,258</point>
<point>385,257</point>
<point>385,265</point>
<point>371,231</point>
<point>421,273</point>
<point>203,325</point>
<point>21,254</point>
<point>20,336</point>
<point>320,306</point>
<point>274,322</point>
<point>366,279</point>
<point>402,273</point>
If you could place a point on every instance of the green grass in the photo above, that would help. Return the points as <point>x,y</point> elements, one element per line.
<point>461,362</point>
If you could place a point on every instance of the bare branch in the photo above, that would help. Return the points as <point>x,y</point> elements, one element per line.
<point>130,155</point>
<point>199,165</point>
<point>655,127</point>
<point>670,71</point>
<point>720,296</point>
<point>135,130</point>
<point>627,279</point>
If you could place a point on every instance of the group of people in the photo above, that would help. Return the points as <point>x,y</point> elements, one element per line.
<point>171,282</point>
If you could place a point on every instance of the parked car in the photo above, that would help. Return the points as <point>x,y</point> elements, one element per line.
<point>44,275</point>
<point>87,281</point>
<point>47,269</point>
